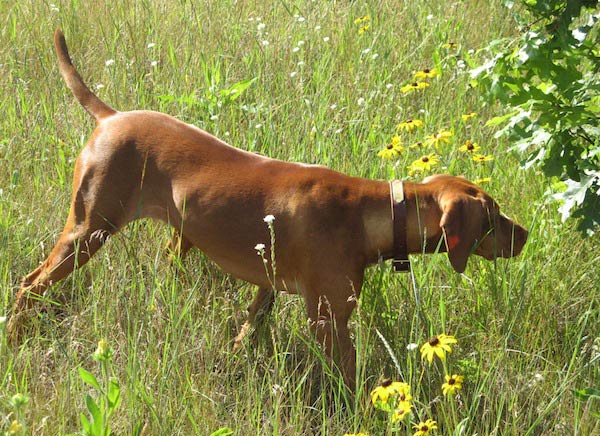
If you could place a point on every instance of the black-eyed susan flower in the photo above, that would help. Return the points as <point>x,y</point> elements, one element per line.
<point>483,158</point>
<point>415,86</point>
<point>438,345</point>
<point>468,116</point>
<point>363,19</point>
<point>387,389</point>
<point>438,137</point>
<point>393,149</point>
<point>426,74</point>
<point>410,124</point>
<point>424,163</point>
<point>469,147</point>
<point>402,410</point>
<point>453,383</point>
<point>450,45</point>
<point>364,29</point>
<point>423,428</point>
<point>483,180</point>
<point>418,144</point>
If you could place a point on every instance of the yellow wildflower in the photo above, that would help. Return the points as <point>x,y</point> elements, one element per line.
<point>469,147</point>
<point>415,86</point>
<point>452,45</point>
<point>363,19</point>
<point>402,411</point>
<point>417,144</point>
<point>436,138</point>
<point>103,352</point>
<point>453,383</point>
<point>423,428</point>
<point>483,158</point>
<point>426,74</point>
<point>392,150</point>
<point>15,427</point>
<point>389,389</point>
<point>424,163</point>
<point>410,125</point>
<point>364,29</point>
<point>356,434</point>
<point>483,180</point>
<point>437,345</point>
<point>468,116</point>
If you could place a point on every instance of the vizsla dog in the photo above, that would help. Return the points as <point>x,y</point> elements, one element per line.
<point>329,227</point>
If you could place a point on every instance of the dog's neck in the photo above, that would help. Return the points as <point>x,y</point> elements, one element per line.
<point>423,232</point>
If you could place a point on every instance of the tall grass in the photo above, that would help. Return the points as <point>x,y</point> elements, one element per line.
<point>528,328</point>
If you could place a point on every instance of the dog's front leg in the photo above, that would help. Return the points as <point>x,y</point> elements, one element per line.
<point>328,316</point>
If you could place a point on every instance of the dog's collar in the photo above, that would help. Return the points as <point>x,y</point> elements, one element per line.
<point>400,259</point>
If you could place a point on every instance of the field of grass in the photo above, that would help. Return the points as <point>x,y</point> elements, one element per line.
<point>327,90</point>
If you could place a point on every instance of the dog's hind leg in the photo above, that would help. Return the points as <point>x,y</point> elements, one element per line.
<point>258,310</point>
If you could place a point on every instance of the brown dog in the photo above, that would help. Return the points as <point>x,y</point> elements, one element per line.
<point>329,227</point>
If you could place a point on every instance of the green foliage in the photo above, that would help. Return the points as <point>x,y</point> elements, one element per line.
<point>548,79</point>
<point>586,394</point>
<point>109,395</point>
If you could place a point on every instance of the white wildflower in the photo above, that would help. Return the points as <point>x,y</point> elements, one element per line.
<point>269,219</point>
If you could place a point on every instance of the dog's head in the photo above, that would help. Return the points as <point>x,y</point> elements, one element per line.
<point>471,222</point>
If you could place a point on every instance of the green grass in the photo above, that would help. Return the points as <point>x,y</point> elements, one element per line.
<point>528,328</point>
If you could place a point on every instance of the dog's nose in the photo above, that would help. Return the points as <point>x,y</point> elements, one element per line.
<point>520,238</point>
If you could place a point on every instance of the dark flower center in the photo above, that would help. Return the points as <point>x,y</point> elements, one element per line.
<point>387,382</point>
<point>451,381</point>
<point>415,85</point>
<point>424,428</point>
<point>409,121</point>
<point>390,146</point>
<point>470,146</point>
<point>402,397</point>
<point>433,341</point>
<point>426,70</point>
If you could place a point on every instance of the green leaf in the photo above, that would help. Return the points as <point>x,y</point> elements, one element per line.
<point>86,425</point>
<point>585,394</point>
<point>500,119</point>
<point>237,89</point>
<point>89,378</point>
<point>225,431</point>
<point>574,195</point>
<point>114,395</point>
<point>94,410</point>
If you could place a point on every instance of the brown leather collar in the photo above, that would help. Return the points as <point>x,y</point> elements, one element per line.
<point>400,259</point>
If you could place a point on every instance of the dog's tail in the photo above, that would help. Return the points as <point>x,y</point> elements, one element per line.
<point>96,107</point>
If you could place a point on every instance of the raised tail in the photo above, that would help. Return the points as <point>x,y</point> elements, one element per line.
<point>91,103</point>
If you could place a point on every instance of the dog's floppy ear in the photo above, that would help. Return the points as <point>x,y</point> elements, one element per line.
<point>462,224</point>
